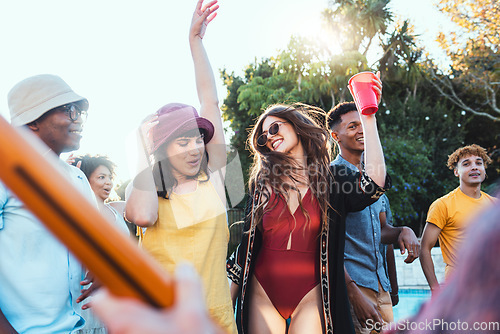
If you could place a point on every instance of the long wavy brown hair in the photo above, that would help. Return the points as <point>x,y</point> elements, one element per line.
<point>280,173</point>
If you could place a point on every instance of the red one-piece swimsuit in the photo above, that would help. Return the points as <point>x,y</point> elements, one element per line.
<point>287,275</point>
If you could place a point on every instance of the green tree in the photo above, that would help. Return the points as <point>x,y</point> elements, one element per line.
<point>417,134</point>
<point>402,58</point>
<point>355,23</point>
<point>418,128</point>
<point>472,81</point>
<point>297,74</point>
<point>242,116</point>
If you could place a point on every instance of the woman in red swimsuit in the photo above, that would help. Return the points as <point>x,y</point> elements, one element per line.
<point>289,265</point>
<point>286,277</point>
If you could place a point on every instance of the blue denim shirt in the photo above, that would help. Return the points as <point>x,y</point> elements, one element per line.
<point>39,277</point>
<point>362,257</point>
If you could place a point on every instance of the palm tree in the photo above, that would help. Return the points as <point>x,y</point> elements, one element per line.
<point>356,22</point>
<point>401,59</point>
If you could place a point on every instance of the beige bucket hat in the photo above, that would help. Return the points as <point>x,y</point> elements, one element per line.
<point>34,96</point>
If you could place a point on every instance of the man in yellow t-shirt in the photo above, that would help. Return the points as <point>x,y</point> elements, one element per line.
<point>448,216</point>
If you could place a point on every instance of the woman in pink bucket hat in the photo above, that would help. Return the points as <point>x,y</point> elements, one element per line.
<point>178,203</point>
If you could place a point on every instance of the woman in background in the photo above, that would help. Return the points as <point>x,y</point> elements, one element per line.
<point>100,172</point>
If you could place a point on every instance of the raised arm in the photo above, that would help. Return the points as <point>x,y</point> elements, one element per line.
<point>205,81</point>
<point>374,156</point>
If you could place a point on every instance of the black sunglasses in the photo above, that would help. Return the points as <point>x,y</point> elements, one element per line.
<point>74,112</point>
<point>273,129</point>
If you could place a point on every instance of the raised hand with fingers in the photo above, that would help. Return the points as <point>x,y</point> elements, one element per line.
<point>202,16</point>
<point>145,134</point>
<point>72,159</point>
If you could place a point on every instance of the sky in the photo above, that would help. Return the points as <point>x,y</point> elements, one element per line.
<point>129,58</point>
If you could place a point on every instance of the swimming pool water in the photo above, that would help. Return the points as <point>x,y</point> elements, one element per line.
<point>410,301</point>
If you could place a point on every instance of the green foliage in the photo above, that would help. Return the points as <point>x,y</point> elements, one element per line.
<point>472,79</point>
<point>402,60</point>
<point>356,22</point>
<point>409,166</point>
<point>418,128</point>
<point>417,135</point>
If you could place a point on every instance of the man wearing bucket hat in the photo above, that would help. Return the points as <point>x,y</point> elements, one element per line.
<point>39,278</point>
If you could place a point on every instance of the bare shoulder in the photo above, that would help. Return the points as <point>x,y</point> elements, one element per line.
<point>118,206</point>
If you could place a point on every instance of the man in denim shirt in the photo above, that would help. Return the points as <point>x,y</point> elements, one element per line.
<point>39,278</point>
<point>367,283</point>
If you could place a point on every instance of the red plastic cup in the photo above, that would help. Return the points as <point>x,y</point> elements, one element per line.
<point>362,91</point>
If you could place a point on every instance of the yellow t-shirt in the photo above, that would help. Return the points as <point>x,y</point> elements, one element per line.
<point>193,227</point>
<point>450,213</point>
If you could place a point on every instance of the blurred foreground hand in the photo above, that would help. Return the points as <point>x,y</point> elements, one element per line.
<point>188,314</point>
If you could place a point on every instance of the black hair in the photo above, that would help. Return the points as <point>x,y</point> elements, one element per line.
<point>91,162</point>
<point>333,118</point>
<point>162,170</point>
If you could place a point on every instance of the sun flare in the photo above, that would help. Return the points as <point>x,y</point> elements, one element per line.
<point>313,29</point>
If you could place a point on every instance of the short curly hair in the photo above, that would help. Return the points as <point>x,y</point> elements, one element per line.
<point>465,151</point>
<point>91,162</point>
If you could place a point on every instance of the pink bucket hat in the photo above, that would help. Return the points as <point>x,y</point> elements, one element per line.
<point>177,118</point>
<point>34,96</point>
